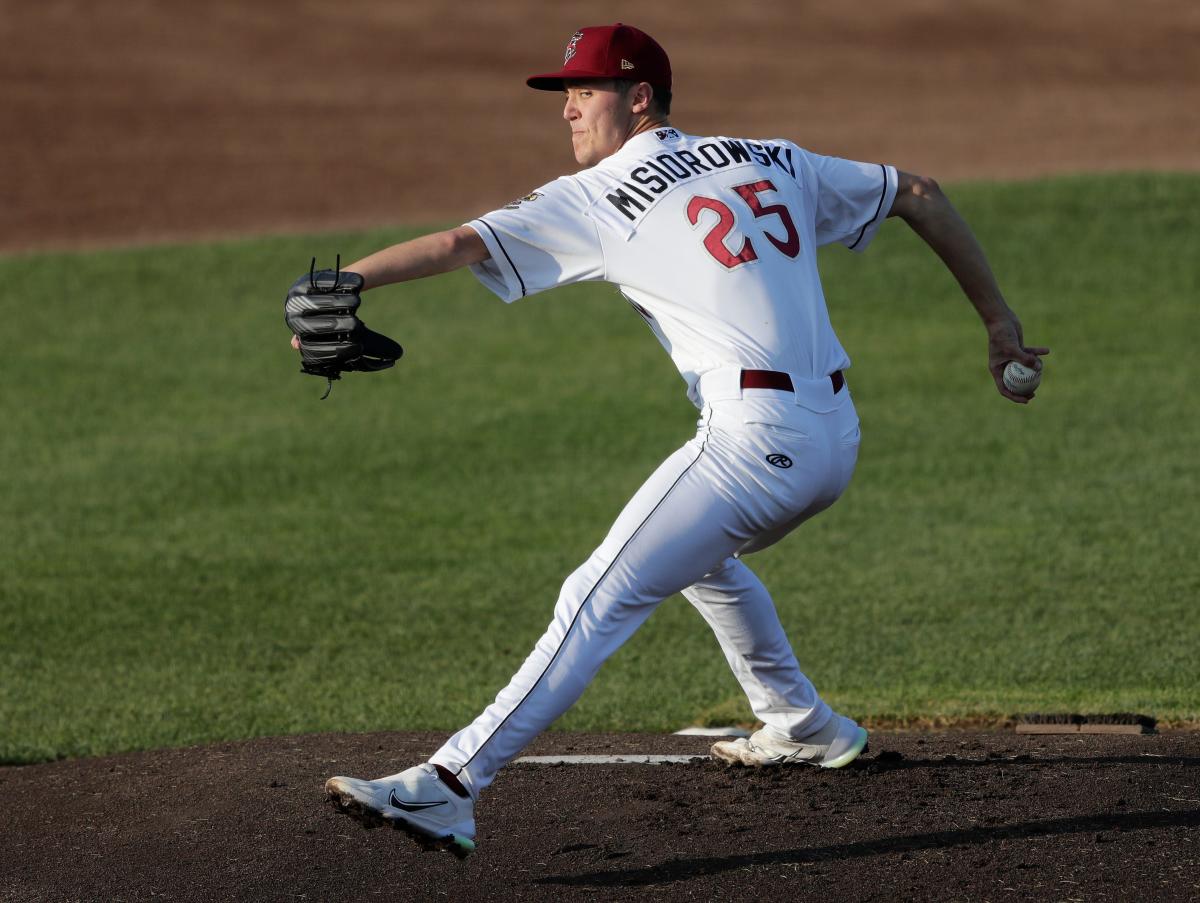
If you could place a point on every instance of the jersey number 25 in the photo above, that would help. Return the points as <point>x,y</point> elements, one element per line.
<point>714,241</point>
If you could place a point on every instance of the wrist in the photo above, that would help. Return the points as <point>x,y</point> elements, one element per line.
<point>998,322</point>
<point>995,314</point>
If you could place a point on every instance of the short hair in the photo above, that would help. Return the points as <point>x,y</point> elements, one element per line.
<point>660,102</point>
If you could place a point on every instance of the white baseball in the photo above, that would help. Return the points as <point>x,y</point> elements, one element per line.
<point>1021,380</point>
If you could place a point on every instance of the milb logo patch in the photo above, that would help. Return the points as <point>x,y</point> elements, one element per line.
<point>513,205</point>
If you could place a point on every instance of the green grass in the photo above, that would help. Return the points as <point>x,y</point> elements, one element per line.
<point>194,548</point>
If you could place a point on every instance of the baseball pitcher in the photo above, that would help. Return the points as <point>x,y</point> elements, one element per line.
<point>712,240</point>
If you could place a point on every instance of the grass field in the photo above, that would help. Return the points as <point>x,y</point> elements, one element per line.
<point>194,548</point>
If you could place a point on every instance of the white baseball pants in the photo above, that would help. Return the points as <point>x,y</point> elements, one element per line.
<point>715,498</point>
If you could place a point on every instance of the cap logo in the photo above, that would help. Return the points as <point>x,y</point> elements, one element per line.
<point>575,39</point>
<point>625,64</point>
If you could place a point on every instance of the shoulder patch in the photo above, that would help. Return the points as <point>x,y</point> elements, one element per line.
<point>532,196</point>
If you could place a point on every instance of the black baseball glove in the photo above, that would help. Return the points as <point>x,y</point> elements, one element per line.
<point>320,309</point>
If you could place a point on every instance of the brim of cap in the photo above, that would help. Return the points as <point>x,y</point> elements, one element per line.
<point>553,81</point>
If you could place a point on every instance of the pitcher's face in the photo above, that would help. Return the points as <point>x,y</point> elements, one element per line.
<point>600,117</point>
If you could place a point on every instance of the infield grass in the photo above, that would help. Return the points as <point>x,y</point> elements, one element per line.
<point>194,548</point>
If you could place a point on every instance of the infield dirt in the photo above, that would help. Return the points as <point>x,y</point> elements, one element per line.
<point>939,816</point>
<point>143,122</point>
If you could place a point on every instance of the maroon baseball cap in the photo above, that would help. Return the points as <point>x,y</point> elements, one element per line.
<point>609,51</point>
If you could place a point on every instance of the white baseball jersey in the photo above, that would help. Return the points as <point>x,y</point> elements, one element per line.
<point>713,240</point>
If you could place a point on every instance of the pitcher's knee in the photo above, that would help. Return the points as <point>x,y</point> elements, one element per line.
<point>582,581</point>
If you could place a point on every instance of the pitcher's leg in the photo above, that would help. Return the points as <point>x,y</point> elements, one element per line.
<point>584,633</point>
<point>742,615</point>
<point>677,527</point>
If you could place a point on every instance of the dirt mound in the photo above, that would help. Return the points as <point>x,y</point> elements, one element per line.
<point>142,121</point>
<point>948,816</point>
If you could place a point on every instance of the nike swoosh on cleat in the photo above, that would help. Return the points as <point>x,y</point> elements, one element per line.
<point>398,803</point>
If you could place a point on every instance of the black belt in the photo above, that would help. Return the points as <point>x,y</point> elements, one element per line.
<point>773,379</point>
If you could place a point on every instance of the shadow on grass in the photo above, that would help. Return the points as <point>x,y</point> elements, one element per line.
<point>690,869</point>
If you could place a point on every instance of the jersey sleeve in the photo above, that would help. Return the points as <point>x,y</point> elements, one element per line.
<point>539,242</point>
<point>852,198</point>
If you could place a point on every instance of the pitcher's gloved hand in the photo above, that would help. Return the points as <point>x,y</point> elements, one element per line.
<point>320,309</point>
